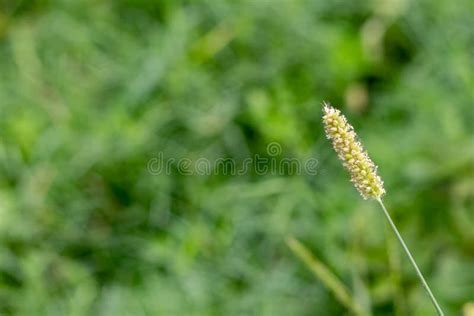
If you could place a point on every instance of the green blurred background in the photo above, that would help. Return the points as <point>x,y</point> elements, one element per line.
<point>91,90</point>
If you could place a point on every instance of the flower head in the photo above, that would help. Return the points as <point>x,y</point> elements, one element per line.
<point>354,157</point>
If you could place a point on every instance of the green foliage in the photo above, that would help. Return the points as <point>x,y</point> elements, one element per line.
<point>90,91</point>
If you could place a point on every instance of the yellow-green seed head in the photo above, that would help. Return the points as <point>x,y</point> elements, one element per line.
<point>354,158</point>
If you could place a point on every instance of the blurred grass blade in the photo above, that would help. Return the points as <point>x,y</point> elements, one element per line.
<point>394,262</point>
<point>214,41</point>
<point>323,273</point>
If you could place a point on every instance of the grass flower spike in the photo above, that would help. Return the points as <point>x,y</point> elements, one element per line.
<point>355,159</point>
<point>364,175</point>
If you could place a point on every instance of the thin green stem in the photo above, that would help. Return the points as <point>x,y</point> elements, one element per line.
<point>412,261</point>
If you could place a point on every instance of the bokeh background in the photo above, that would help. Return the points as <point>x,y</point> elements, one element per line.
<point>90,91</point>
